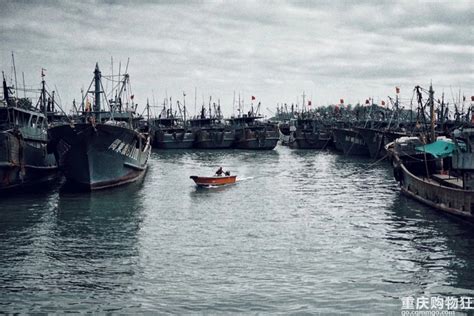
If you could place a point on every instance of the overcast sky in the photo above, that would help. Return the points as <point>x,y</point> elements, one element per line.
<point>270,49</point>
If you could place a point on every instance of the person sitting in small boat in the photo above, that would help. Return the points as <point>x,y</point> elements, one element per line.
<point>219,171</point>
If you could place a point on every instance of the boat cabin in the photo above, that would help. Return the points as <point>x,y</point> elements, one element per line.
<point>12,116</point>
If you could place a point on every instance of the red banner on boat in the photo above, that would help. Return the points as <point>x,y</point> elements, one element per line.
<point>341,101</point>
<point>397,89</point>
<point>309,102</point>
<point>383,102</point>
<point>367,101</point>
<point>88,105</point>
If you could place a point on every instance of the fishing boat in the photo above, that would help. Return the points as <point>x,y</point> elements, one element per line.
<point>211,131</point>
<point>384,125</point>
<point>104,148</point>
<point>213,181</point>
<point>24,160</point>
<point>437,171</point>
<point>171,133</point>
<point>171,129</point>
<point>308,132</point>
<point>439,174</point>
<point>252,133</point>
<point>350,142</point>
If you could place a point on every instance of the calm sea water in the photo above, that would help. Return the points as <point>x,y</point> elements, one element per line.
<point>301,232</point>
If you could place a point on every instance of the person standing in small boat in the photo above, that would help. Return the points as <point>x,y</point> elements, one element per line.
<point>219,172</point>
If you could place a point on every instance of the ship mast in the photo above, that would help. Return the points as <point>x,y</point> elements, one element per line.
<point>432,114</point>
<point>442,112</point>
<point>303,108</point>
<point>43,94</point>
<point>397,111</point>
<point>97,75</point>
<point>184,107</point>
<point>147,110</point>
<point>5,89</point>
<point>24,86</point>
<point>240,110</point>
<point>14,71</point>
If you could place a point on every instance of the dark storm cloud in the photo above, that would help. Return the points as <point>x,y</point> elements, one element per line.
<point>273,49</point>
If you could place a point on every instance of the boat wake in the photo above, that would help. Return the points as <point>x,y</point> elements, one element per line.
<point>244,179</point>
<point>216,186</point>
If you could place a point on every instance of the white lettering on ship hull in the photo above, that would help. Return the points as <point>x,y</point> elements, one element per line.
<point>124,149</point>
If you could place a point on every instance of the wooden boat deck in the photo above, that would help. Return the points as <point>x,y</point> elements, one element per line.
<point>447,180</point>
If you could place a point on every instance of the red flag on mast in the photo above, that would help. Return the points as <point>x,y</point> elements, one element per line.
<point>309,102</point>
<point>253,98</point>
<point>397,90</point>
<point>341,101</point>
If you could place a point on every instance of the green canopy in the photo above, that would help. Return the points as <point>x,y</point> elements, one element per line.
<point>439,149</point>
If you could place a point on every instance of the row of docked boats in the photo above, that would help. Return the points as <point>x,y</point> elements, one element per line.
<point>358,131</point>
<point>214,132</point>
<point>432,155</point>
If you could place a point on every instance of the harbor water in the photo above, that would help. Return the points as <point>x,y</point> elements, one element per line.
<point>302,231</point>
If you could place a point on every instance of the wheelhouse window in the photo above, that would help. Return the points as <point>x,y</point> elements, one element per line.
<point>33,119</point>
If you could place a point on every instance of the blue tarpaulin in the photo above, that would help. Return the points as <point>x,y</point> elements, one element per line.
<point>439,149</point>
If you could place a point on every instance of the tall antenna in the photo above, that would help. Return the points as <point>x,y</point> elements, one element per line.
<point>210,112</point>
<point>82,98</point>
<point>14,71</point>
<point>43,94</point>
<point>147,110</point>
<point>120,70</point>
<point>112,75</point>
<point>304,105</point>
<point>431,100</point>
<point>24,87</point>
<point>240,110</point>
<point>233,105</point>
<point>126,68</point>
<point>184,107</point>
<point>195,100</point>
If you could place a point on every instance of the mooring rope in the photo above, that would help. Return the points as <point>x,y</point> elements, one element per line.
<point>368,167</point>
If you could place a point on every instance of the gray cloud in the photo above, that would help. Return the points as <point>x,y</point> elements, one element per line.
<point>273,50</point>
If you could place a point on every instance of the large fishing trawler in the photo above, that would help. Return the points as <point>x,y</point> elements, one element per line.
<point>104,148</point>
